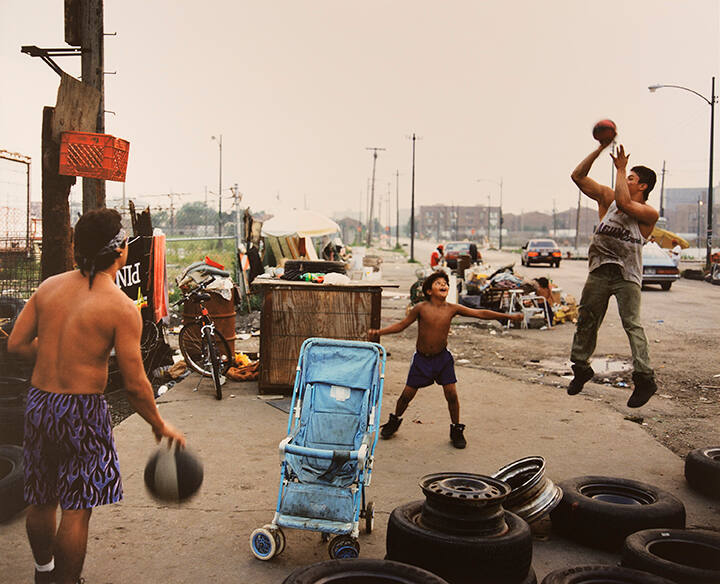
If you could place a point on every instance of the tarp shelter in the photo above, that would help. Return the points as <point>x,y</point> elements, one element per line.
<point>664,238</point>
<point>302,222</point>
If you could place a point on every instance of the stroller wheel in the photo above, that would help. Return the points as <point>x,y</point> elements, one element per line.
<point>369,517</point>
<point>279,539</point>
<point>263,543</point>
<point>343,547</point>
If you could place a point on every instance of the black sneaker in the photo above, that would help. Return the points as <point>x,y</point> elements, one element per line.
<point>392,425</point>
<point>45,577</point>
<point>456,435</point>
<point>645,388</point>
<point>582,376</point>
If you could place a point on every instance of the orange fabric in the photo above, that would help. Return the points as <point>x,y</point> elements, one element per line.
<point>159,281</point>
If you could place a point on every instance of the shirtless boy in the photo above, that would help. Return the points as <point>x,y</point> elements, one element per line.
<point>432,361</point>
<point>69,327</point>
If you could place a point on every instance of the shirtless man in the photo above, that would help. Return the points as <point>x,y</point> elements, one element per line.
<point>69,327</point>
<point>615,258</point>
<point>432,361</point>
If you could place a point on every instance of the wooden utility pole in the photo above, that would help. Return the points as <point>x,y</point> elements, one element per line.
<point>397,208</point>
<point>372,195</point>
<point>91,37</point>
<point>57,234</point>
<point>662,192</point>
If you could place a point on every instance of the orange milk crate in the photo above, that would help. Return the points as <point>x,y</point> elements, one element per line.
<point>93,155</point>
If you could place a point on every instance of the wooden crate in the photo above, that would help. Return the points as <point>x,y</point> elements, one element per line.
<point>295,311</point>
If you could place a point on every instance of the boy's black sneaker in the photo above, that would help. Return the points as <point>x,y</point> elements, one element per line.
<point>392,425</point>
<point>645,388</point>
<point>582,376</point>
<point>45,577</point>
<point>456,435</point>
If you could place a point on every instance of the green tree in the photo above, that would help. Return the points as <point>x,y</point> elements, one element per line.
<point>192,214</point>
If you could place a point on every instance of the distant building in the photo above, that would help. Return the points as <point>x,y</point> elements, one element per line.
<point>457,222</point>
<point>686,212</point>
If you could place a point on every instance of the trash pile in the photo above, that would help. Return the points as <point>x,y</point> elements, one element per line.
<point>244,368</point>
<point>505,291</point>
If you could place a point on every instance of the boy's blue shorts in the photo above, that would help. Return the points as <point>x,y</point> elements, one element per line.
<point>69,452</point>
<point>428,369</point>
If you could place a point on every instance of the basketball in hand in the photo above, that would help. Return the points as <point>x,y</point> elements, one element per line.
<point>605,131</point>
<point>173,475</point>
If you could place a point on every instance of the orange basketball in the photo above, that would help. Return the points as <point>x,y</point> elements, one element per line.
<point>604,130</point>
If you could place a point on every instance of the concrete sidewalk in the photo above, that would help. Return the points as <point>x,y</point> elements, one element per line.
<point>207,539</point>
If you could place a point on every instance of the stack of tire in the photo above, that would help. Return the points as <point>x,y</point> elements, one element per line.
<point>361,571</point>
<point>645,522</point>
<point>11,481</point>
<point>13,391</point>
<point>12,411</point>
<point>462,533</point>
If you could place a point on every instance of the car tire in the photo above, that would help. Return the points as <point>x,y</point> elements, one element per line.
<point>11,481</point>
<point>13,391</point>
<point>685,556</point>
<point>501,559</point>
<point>702,471</point>
<point>666,285</point>
<point>361,571</point>
<point>594,574</point>
<point>601,511</point>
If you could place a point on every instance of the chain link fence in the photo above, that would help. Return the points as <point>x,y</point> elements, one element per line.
<point>180,252</point>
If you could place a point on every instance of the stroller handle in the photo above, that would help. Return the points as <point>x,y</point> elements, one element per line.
<point>325,454</point>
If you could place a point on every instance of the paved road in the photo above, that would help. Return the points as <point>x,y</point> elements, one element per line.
<point>689,305</point>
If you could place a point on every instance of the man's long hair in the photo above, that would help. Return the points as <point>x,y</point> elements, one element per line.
<point>93,231</point>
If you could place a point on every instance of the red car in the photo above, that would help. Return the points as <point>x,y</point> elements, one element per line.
<point>454,249</point>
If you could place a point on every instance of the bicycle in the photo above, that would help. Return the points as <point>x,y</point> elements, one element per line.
<point>204,348</point>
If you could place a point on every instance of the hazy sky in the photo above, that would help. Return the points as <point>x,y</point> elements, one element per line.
<point>300,89</point>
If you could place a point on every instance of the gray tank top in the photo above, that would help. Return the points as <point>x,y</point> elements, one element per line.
<point>617,240</point>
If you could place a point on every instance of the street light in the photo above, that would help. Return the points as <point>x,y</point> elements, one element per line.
<point>219,141</point>
<point>500,215</point>
<point>711,103</point>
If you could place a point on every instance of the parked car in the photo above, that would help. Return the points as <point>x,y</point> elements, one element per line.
<point>454,249</point>
<point>658,267</point>
<point>541,251</point>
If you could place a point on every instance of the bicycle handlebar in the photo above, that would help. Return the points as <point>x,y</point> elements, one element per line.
<point>200,287</point>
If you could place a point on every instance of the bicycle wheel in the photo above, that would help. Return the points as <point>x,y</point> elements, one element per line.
<point>195,354</point>
<point>215,363</point>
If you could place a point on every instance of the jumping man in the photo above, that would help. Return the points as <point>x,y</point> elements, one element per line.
<point>615,258</point>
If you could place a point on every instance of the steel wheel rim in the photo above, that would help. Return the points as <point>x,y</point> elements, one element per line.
<point>617,494</point>
<point>464,487</point>
<point>533,495</point>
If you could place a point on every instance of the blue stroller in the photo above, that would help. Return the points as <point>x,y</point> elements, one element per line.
<point>327,456</point>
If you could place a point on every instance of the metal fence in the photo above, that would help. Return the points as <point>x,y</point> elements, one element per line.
<point>180,252</point>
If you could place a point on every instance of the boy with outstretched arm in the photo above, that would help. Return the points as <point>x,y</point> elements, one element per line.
<point>432,361</point>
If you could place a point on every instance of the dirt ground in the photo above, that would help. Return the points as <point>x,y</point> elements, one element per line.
<point>684,413</point>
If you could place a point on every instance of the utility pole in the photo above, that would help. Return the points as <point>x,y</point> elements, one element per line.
<point>372,194</point>
<point>93,74</point>
<point>577,220</point>
<point>554,220</point>
<point>500,217</point>
<point>207,227</point>
<point>219,141</point>
<point>488,218</point>
<point>662,191</point>
<point>412,204</point>
<point>397,208</point>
